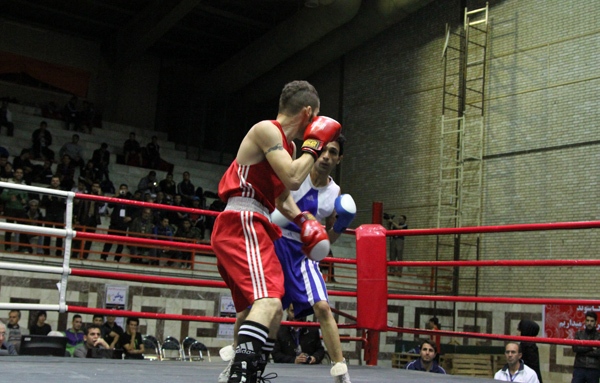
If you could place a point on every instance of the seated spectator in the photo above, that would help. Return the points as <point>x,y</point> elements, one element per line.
<point>73,150</point>
<point>15,202</point>
<point>23,161</point>
<point>132,151</point>
<point>426,361</point>
<point>6,119</point>
<point>101,160</point>
<point>191,234</point>
<point>70,114</point>
<point>111,331</point>
<point>40,327</point>
<point>131,340</point>
<point>87,114</point>
<point>6,348</point>
<point>74,334</point>
<point>515,370</point>
<point>186,189</point>
<point>14,329</point>
<point>55,215</point>
<point>299,345</point>
<point>148,184</point>
<point>165,232</point>
<point>33,213</point>
<point>153,153</point>
<point>65,171</point>
<point>41,140</point>
<point>87,215</point>
<point>198,220</point>
<point>167,186</point>
<point>93,345</point>
<point>43,173</point>
<point>140,225</point>
<point>176,217</point>
<point>89,174</point>
<point>6,171</point>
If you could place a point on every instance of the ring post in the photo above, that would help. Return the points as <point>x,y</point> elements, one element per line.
<point>371,286</point>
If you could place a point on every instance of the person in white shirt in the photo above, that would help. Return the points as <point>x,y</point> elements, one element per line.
<point>515,369</point>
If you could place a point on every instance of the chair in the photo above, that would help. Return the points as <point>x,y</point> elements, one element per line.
<point>171,349</point>
<point>199,347</point>
<point>152,348</point>
<point>185,345</point>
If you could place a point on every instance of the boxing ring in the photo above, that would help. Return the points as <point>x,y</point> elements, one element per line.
<point>371,294</point>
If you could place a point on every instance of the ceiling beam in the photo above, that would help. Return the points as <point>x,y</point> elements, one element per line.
<point>149,26</point>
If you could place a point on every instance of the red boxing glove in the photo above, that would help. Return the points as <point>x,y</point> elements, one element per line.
<point>313,236</point>
<point>321,131</point>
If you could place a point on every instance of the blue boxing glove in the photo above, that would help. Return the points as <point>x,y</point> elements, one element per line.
<point>346,211</point>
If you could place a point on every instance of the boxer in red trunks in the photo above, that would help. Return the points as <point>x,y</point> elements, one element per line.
<point>258,180</point>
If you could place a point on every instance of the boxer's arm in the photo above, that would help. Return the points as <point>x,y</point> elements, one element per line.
<point>267,138</point>
<point>286,206</point>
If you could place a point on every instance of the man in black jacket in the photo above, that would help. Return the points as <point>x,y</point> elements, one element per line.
<point>120,218</point>
<point>299,345</point>
<point>587,359</point>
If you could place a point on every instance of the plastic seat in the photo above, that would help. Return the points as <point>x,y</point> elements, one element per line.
<point>152,348</point>
<point>200,348</point>
<point>171,349</point>
<point>185,345</point>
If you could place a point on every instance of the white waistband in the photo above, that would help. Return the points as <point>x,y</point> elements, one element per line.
<point>247,204</point>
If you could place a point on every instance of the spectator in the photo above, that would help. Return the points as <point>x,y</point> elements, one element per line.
<point>587,359</point>
<point>14,205</point>
<point>141,225</point>
<point>6,119</point>
<point>132,151</point>
<point>73,150</point>
<point>191,234</point>
<point>71,115</point>
<point>87,214</point>
<point>120,218</point>
<point>23,161</point>
<point>186,189</point>
<point>74,334</point>
<point>299,345</point>
<point>40,327</point>
<point>43,173</point>
<point>101,160</point>
<point>198,220</point>
<point>55,215</point>
<point>93,346</point>
<point>426,361</point>
<point>531,355</point>
<point>6,348</point>
<point>153,153</point>
<point>168,186</point>
<point>6,172</point>
<point>132,340</point>
<point>111,331</point>
<point>515,370</point>
<point>397,242</point>
<point>176,217</point>
<point>41,140</point>
<point>89,174</point>
<point>434,324</point>
<point>148,184</point>
<point>65,171</point>
<point>14,329</point>
<point>163,231</point>
<point>87,114</point>
<point>35,216</point>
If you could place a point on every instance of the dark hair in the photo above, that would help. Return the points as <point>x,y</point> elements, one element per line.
<point>518,345</point>
<point>435,321</point>
<point>341,140</point>
<point>592,314</point>
<point>91,326</point>
<point>25,151</point>
<point>98,316</point>
<point>16,311</point>
<point>40,313</point>
<point>296,95</point>
<point>120,186</point>
<point>133,319</point>
<point>75,317</point>
<point>432,344</point>
<point>104,145</point>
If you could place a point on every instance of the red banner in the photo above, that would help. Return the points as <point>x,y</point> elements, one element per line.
<point>563,321</point>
